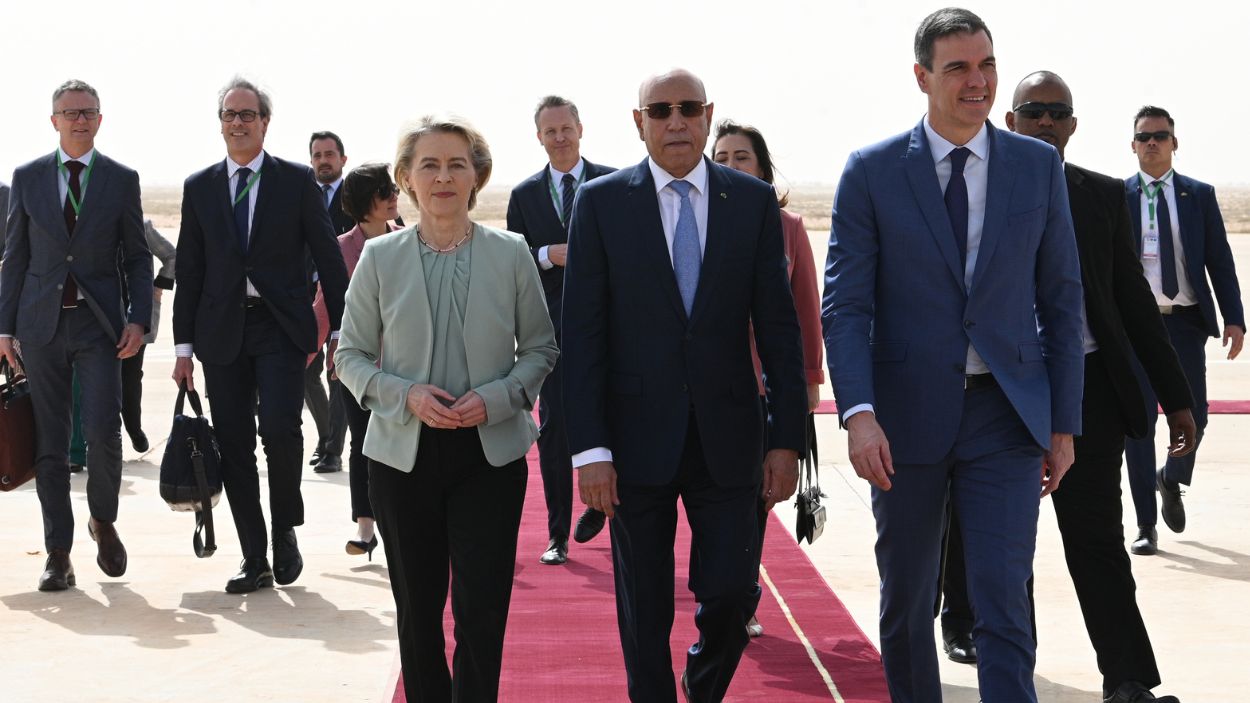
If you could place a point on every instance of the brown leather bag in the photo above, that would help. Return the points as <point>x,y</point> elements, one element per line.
<point>17,429</point>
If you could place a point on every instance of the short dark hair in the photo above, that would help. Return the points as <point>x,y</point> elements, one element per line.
<point>361,185</point>
<point>555,101</point>
<point>1153,111</point>
<point>74,85</point>
<point>726,128</point>
<point>326,135</point>
<point>240,83</point>
<point>944,22</point>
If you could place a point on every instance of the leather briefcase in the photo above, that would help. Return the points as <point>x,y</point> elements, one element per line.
<point>17,429</point>
<point>810,513</point>
<point>191,471</point>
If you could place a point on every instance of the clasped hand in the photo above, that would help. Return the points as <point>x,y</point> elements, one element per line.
<point>425,402</point>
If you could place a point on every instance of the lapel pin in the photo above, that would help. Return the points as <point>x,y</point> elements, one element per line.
<point>723,195</point>
<point>1184,193</point>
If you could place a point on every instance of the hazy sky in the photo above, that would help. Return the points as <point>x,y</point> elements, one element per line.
<point>819,78</point>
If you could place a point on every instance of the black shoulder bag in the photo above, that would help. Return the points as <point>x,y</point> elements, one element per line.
<point>811,514</point>
<point>191,471</point>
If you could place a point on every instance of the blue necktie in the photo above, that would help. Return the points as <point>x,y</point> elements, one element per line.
<point>325,191</point>
<point>957,202</point>
<point>687,256</point>
<point>567,192</point>
<point>240,207</point>
<point>1167,249</point>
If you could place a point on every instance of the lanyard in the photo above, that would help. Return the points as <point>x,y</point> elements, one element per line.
<point>1152,195</point>
<point>82,183</point>
<point>250,182</point>
<point>555,199</point>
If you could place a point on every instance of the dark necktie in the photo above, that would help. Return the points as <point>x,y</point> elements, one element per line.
<point>69,294</point>
<point>240,207</point>
<point>567,190</point>
<point>957,203</point>
<point>1167,249</point>
<point>325,189</point>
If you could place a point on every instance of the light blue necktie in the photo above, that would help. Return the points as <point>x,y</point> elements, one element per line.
<point>687,256</point>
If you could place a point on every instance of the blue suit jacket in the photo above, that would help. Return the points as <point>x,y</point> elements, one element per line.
<point>898,318</point>
<point>1206,247</point>
<point>638,366</point>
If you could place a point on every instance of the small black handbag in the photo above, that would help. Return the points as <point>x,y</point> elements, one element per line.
<point>810,513</point>
<point>191,471</point>
<point>17,429</point>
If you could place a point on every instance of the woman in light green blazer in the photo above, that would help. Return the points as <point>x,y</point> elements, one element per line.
<point>446,340</point>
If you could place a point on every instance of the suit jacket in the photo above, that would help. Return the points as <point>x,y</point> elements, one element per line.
<point>39,252</point>
<point>4,213</point>
<point>801,272</point>
<point>342,222</point>
<point>532,215</point>
<point>898,317</point>
<point>1206,247</point>
<point>642,365</point>
<point>1122,312</point>
<point>290,217</point>
<point>508,342</point>
<point>167,254</point>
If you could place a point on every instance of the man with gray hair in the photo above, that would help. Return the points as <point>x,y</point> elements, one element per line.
<point>74,240</point>
<point>242,305</point>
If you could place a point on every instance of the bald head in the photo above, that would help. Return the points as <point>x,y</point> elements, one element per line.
<point>676,129</point>
<point>1040,79</point>
<point>677,75</point>
<point>1041,108</point>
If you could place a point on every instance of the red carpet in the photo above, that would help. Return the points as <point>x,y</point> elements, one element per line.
<point>1214,407</point>
<point>562,643</point>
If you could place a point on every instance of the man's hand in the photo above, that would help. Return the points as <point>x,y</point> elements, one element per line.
<point>596,482</point>
<point>156,293</point>
<point>184,371</point>
<point>1237,336</point>
<point>813,397</point>
<point>332,347</point>
<point>557,253</point>
<point>423,402</point>
<point>781,476</point>
<point>1056,462</point>
<point>8,351</point>
<point>1182,433</point>
<point>132,339</point>
<point>869,450</point>
<point>472,409</point>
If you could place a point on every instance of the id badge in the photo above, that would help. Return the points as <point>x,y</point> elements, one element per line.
<point>1150,244</point>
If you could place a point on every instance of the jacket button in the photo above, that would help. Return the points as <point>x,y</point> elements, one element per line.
<point>60,286</point>
<point>969,324</point>
<point>70,257</point>
<point>685,388</point>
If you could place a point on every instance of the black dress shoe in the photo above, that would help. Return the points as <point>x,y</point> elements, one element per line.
<point>318,455</point>
<point>588,525</point>
<point>58,573</point>
<point>287,562</point>
<point>110,552</point>
<point>557,551</point>
<point>329,464</point>
<point>1133,692</point>
<point>359,546</point>
<point>140,442</point>
<point>1147,542</point>
<point>1173,508</point>
<point>959,647</point>
<point>75,468</point>
<point>253,573</point>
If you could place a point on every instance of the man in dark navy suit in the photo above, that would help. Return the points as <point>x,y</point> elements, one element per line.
<point>540,209</point>
<point>243,306</point>
<point>669,262</point>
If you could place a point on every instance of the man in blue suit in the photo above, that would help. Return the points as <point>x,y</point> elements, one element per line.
<point>669,262</point>
<point>952,316</point>
<point>1181,240</point>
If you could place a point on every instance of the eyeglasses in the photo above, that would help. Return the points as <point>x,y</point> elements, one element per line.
<point>91,114</point>
<point>1160,136</point>
<point>1035,110</point>
<point>662,111</point>
<point>245,115</point>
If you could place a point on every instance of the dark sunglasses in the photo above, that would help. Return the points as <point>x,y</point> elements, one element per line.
<point>386,190</point>
<point>1034,111</point>
<point>1160,136</point>
<point>662,111</point>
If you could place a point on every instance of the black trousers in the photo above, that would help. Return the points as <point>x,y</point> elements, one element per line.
<point>723,565</point>
<point>456,513</point>
<point>265,381</point>
<point>325,406</point>
<point>132,393</point>
<point>553,455</point>
<point>357,462</point>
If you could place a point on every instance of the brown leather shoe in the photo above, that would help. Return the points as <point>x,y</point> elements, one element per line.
<point>111,554</point>
<point>58,573</point>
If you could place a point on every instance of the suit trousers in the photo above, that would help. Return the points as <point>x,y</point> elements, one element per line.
<point>553,455</point>
<point>77,439</point>
<point>269,368</point>
<point>132,393</point>
<point>80,343</point>
<point>1189,336</point>
<point>992,474</point>
<point>453,515</point>
<point>357,462</point>
<point>316,398</point>
<point>723,567</point>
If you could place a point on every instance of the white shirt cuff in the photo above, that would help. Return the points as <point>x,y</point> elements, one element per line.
<point>590,456</point>
<point>334,335</point>
<point>183,351</point>
<point>7,336</point>
<point>543,261</point>
<point>862,407</point>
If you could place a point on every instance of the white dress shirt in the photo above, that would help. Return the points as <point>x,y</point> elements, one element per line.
<point>1151,266</point>
<point>557,178</point>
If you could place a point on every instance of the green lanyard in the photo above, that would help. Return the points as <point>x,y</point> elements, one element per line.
<point>555,198</point>
<point>250,182</point>
<point>1152,195</point>
<point>82,184</point>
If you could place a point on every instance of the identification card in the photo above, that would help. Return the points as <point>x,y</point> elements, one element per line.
<point>1150,244</point>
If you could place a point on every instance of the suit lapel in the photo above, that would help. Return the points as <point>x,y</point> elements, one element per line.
<point>1132,189</point>
<point>269,167</point>
<point>719,198</point>
<point>96,196</point>
<point>548,208</point>
<point>1000,181</point>
<point>918,164</point>
<point>224,197</point>
<point>53,206</point>
<point>645,207</point>
<point>1077,196</point>
<point>1188,217</point>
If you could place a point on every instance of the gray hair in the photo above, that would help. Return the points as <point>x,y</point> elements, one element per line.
<point>556,101</point>
<point>240,83</point>
<point>74,85</point>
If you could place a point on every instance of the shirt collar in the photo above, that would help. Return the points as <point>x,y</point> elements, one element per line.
<point>979,145</point>
<point>557,175</point>
<point>697,176</point>
<point>1147,179</point>
<point>85,159</point>
<point>254,164</point>
<point>334,187</point>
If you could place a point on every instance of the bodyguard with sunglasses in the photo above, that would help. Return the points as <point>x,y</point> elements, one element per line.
<point>243,307</point>
<point>1181,240</point>
<point>669,262</point>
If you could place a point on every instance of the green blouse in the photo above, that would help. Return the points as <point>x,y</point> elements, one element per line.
<point>447,288</point>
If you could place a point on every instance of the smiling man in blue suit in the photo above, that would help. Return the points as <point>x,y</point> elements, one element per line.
<point>953,316</point>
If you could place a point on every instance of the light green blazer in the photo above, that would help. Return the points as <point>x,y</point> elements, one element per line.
<point>508,340</point>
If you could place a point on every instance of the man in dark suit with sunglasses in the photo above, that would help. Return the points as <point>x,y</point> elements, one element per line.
<point>1180,237</point>
<point>669,262</point>
<point>243,306</point>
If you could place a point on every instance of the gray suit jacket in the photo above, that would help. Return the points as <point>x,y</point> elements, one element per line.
<point>164,250</point>
<point>107,251</point>
<point>508,339</point>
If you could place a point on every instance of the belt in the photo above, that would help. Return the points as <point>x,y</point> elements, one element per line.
<point>75,306</point>
<point>252,301</point>
<point>978,381</point>
<point>1173,309</point>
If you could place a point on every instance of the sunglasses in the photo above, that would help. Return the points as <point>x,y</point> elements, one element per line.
<point>662,111</point>
<point>1160,136</point>
<point>1034,110</point>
